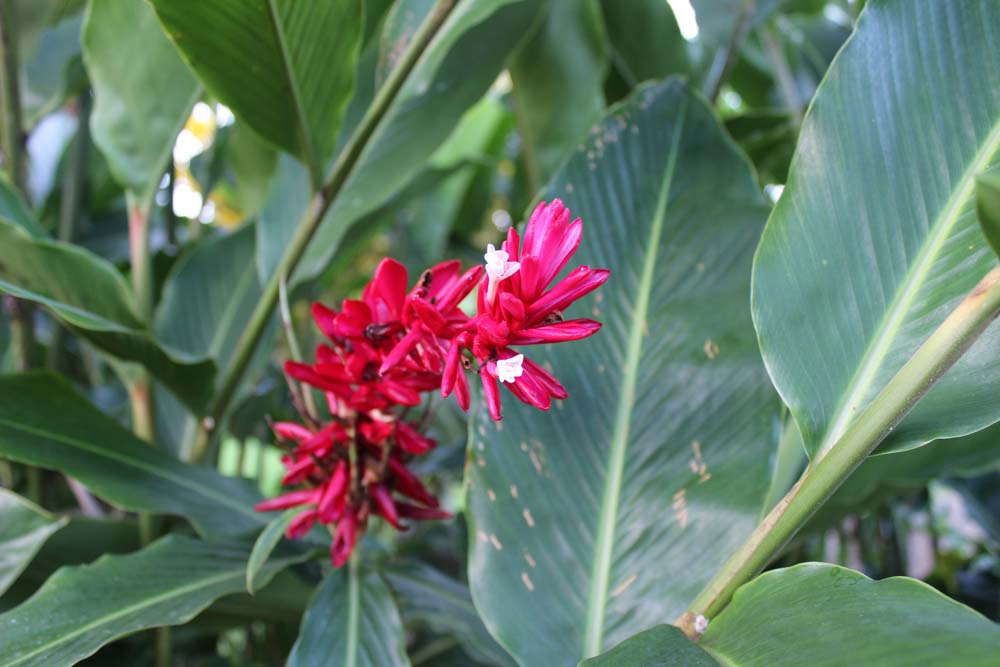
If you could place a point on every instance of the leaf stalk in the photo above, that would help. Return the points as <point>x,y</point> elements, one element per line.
<point>825,475</point>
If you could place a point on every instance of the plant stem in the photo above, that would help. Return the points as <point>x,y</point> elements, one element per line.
<point>308,400</point>
<point>13,127</point>
<point>724,60</point>
<point>825,475</point>
<point>786,81</point>
<point>321,201</point>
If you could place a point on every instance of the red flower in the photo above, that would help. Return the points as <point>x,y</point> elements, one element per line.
<point>516,306</point>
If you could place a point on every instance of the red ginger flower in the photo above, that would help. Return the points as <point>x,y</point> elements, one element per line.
<point>517,307</point>
<point>344,494</point>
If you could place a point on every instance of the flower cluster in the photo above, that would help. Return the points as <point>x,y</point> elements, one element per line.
<point>386,349</point>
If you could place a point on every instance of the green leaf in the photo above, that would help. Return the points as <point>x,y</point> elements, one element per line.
<point>303,59</point>
<point>15,210</point>
<point>264,546</point>
<point>54,71</point>
<point>428,597</point>
<point>644,40</point>
<point>607,516</point>
<point>811,614</point>
<point>143,92</point>
<point>80,609</point>
<point>207,301</point>
<point>662,646</point>
<point>351,621</point>
<point>44,422</point>
<point>24,527</point>
<point>456,69</point>
<point>868,249</point>
<point>91,297</point>
<point>558,78</point>
<point>988,206</point>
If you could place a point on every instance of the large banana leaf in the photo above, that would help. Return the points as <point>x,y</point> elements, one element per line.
<point>351,621</point>
<point>558,77</point>
<point>43,422</point>
<point>285,67</point>
<point>24,528</point>
<point>81,608</point>
<point>458,66</point>
<point>143,92</point>
<point>607,516</point>
<point>662,646</point>
<point>821,615</point>
<point>875,239</point>
<point>90,296</point>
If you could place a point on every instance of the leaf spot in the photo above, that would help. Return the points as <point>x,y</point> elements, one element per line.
<point>711,348</point>
<point>497,544</point>
<point>527,581</point>
<point>622,587</point>
<point>528,519</point>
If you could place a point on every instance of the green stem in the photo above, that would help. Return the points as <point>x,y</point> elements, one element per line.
<point>13,127</point>
<point>321,201</point>
<point>786,81</point>
<point>726,57</point>
<point>308,400</point>
<point>825,475</point>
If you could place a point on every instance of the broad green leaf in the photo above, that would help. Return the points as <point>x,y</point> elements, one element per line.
<point>81,608</point>
<point>644,40</point>
<point>285,67</point>
<point>662,646</point>
<point>55,70</point>
<point>818,615</point>
<point>15,210</point>
<point>558,78</point>
<point>429,598</point>
<point>44,422</point>
<point>869,248</point>
<point>89,295</point>
<point>24,527</point>
<point>988,201</point>
<point>264,546</point>
<point>607,515</point>
<point>143,92</point>
<point>207,301</point>
<point>351,621</point>
<point>456,69</point>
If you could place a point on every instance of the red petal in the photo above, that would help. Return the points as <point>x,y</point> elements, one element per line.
<point>458,289</point>
<point>291,431</point>
<point>544,378</point>
<point>577,283</point>
<point>387,291</point>
<point>402,348</point>
<point>407,484</point>
<point>410,511</point>
<point>492,393</point>
<point>559,332</point>
<point>412,442</point>
<point>291,499</point>
<point>325,319</point>
<point>299,471</point>
<point>384,505</point>
<point>344,539</point>
<point>301,524</point>
<point>331,503</point>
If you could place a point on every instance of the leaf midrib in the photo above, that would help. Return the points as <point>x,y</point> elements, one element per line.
<point>148,602</point>
<point>915,278</point>
<point>604,542</point>
<point>353,604</point>
<point>293,88</point>
<point>156,471</point>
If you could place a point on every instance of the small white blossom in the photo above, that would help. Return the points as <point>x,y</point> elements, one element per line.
<point>497,266</point>
<point>700,624</point>
<point>509,370</point>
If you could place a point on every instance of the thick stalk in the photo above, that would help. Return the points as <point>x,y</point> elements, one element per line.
<point>321,201</point>
<point>825,475</point>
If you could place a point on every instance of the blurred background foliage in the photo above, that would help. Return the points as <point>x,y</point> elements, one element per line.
<point>223,193</point>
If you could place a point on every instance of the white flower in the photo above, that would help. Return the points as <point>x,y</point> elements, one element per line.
<point>509,370</point>
<point>700,624</point>
<point>497,265</point>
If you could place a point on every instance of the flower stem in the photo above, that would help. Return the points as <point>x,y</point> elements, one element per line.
<point>825,475</point>
<point>321,201</point>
